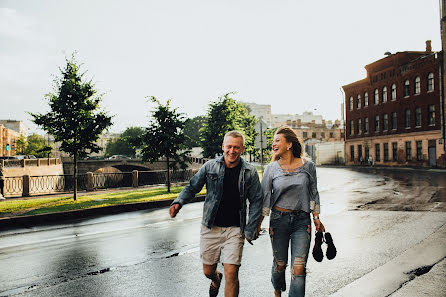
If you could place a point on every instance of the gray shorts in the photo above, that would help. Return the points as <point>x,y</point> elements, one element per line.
<point>221,244</point>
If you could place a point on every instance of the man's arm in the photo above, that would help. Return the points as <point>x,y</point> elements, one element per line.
<point>255,198</point>
<point>188,193</point>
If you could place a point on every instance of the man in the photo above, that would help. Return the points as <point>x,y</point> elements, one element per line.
<point>230,181</point>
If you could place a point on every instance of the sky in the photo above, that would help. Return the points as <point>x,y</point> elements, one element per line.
<point>292,54</point>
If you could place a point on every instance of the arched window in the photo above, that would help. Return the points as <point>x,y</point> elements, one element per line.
<point>358,102</point>
<point>350,103</point>
<point>430,82</point>
<point>393,92</point>
<point>376,96</point>
<point>406,88</point>
<point>366,99</point>
<point>417,88</point>
<point>384,94</point>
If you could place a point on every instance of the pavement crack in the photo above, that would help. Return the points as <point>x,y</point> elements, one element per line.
<point>416,273</point>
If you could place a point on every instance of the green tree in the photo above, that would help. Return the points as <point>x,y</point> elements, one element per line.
<point>20,145</point>
<point>192,130</point>
<point>165,138</point>
<point>75,119</point>
<point>126,143</point>
<point>224,115</point>
<point>36,145</point>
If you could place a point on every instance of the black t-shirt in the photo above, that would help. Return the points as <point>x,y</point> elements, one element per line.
<point>228,213</point>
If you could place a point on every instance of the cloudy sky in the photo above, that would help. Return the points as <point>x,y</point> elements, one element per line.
<point>292,54</point>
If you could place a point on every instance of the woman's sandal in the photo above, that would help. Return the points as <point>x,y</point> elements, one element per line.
<point>213,288</point>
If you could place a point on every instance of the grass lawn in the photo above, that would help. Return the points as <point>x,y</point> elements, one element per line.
<point>32,206</point>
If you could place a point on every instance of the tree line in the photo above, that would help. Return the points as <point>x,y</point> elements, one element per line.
<point>76,120</point>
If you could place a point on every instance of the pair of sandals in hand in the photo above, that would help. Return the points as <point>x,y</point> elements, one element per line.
<point>320,237</point>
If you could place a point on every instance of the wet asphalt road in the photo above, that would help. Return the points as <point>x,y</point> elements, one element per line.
<point>373,217</point>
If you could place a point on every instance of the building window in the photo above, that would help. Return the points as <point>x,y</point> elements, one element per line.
<point>386,152</point>
<point>385,122</point>
<point>394,151</point>
<point>431,115</point>
<point>352,126</point>
<point>430,82</point>
<point>350,103</point>
<point>359,126</point>
<point>305,135</point>
<point>393,91</point>
<point>408,151</point>
<point>366,99</point>
<point>384,94</point>
<point>407,118</point>
<point>417,88</point>
<point>377,153</point>
<point>377,123</point>
<point>376,96</point>
<point>313,135</point>
<point>406,88</point>
<point>342,135</point>
<point>366,125</point>
<point>394,120</point>
<point>352,153</point>
<point>322,134</point>
<point>366,152</point>
<point>331,135</point>
<point>360,153</point>
<point>358,102</point>
<point>418,117</point>
<point>419,151</point>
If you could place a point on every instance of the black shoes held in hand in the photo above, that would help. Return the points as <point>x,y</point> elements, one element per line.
<point>317,249</point>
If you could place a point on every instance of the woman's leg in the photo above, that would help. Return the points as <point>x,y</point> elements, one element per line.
<point>300,247</point>
<point>280,238</point>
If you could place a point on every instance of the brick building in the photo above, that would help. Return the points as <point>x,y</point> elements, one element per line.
<point>8,138</point>
<point>395,114</point>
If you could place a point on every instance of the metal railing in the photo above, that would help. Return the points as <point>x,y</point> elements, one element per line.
<point>45,184</point>
<point>12,186</point>
<point>112,180</point>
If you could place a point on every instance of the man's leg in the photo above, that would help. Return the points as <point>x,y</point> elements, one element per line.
<point>210,271</point>
<point>232,284</point>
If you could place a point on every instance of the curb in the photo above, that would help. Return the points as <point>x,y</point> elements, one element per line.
<point>387,279</point>
<point>59,217</point>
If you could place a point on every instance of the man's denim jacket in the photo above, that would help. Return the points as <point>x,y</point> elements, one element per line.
<point>212,173</point>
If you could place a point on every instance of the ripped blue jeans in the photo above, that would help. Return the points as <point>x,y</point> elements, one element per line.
<point>286,227</point>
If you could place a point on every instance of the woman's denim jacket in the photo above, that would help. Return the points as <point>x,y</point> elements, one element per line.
<point>212,173</point>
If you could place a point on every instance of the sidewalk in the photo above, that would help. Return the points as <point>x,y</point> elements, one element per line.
<point>420,271</point>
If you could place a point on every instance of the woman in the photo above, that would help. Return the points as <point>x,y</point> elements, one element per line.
<point>290,193</point>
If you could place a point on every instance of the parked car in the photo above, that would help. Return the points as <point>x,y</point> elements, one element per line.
<point>118,157</point>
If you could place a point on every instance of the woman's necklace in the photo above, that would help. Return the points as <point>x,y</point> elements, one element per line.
<point>287,169</point>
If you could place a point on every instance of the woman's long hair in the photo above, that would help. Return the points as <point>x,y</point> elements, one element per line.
<point>290,136</point>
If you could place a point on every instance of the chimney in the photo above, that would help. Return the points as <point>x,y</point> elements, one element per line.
<point>428,46</point>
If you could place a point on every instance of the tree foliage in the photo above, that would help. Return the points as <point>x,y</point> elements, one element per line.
<point>126,143</point>
<point>224,115</point>
<point>192,130</point>
<point>75,119</point>
<point>34,144</point>
<point>165,138</point>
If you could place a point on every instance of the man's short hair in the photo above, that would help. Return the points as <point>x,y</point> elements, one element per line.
<point>235,134</point>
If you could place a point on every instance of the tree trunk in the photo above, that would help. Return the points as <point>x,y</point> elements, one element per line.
<point>75,177</point>
<point>168,175</point>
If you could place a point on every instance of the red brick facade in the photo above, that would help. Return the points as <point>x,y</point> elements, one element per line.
<point>403,112</point>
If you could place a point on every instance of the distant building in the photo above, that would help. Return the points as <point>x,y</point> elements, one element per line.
<point>307,117</point>
<point>17,126</point>
<point>260,111</point>
<point>395,114</point>
<point>8,138</point>
<point>309,127</point>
